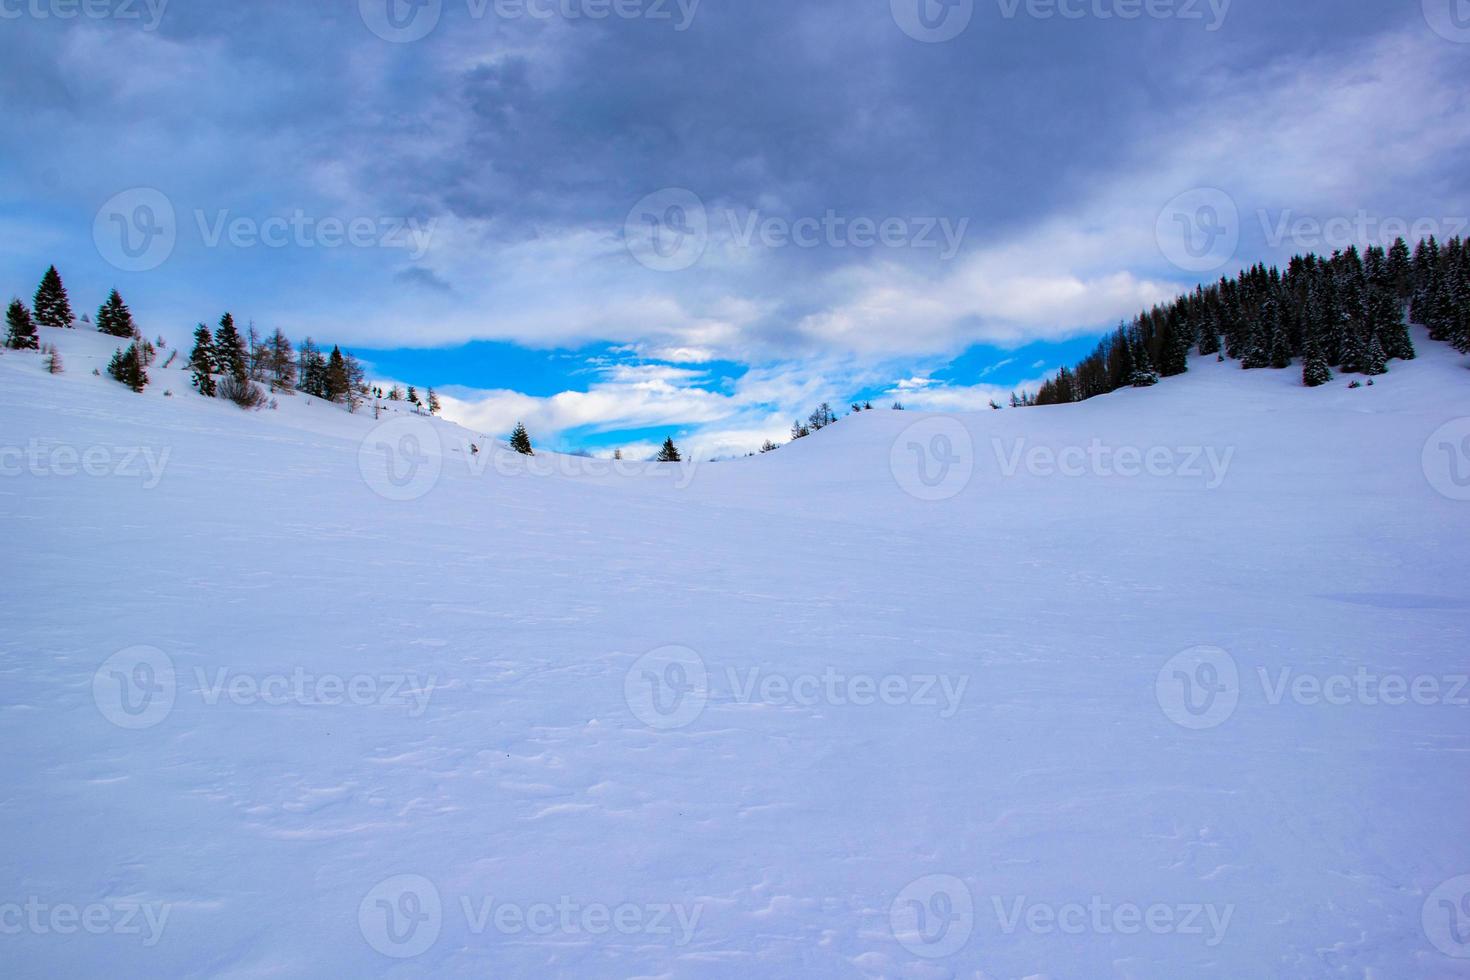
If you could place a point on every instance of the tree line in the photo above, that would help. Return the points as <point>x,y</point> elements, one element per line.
<point>224,363</point>
<point>1348,313</point>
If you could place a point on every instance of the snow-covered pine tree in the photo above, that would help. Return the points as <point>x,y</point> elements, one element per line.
<point>434,405</point>
<point>20,331</point>
<point>1315,372</point>
<point>1178,342</point>
<point>669,453</point>
<point>53,360</point>
<point>1459,288</point>
<point>229,350</point>
<point>520,441</point>
<point>201,362</point>
<point>52,307</point>
<point>1280,347</point>
<point>1375,362</point>
<point>114,318</point>
<point>126,366</point>
<point>1400,270</point>
<point>1144,375</point>
<point>1354,349</point>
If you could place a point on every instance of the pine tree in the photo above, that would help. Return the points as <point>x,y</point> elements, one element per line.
<point>434,405</point>
<point>53,361</point>
<point>1179,340</point>
<point>1459,288</point>
<point>395,394</point>
<point>126,366</point>
<point>114,318</point>
<point>413,396</point>
<point>229,350</point>
<point>356,381</point>
<point>520,441</point>
<point>669,453</point>
<point>1315,372</point>
<point>1144,375</point>
<point>52,307</point>
<point>1280,348</point>
<point>201,362</point>
<point>21,332</point>
<point>1375,362</point>
<point>338,384</point>
<point>280,365</point>
<point>1354,349</point>
<point>312,367</point>
<point>1400,270</point>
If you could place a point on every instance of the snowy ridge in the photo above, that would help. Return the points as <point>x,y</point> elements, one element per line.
<point>900,699</point>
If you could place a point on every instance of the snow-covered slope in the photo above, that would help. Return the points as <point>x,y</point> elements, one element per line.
<point>1030,693</point>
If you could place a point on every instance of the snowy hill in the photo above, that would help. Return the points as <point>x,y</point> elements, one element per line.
<point>1167,684</point>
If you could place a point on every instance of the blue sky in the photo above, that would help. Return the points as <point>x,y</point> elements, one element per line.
<point>623,220</point>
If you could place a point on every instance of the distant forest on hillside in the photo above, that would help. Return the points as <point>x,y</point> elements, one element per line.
<point>1348,313</point>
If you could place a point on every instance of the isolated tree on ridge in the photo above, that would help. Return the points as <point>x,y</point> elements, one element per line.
<point>114,318</point>
<point>52,307</point>
<point>520,440</point>
<point>21,334</point>
<point>201,362</point>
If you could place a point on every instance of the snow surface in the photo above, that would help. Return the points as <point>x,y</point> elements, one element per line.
<point>556,761</point>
